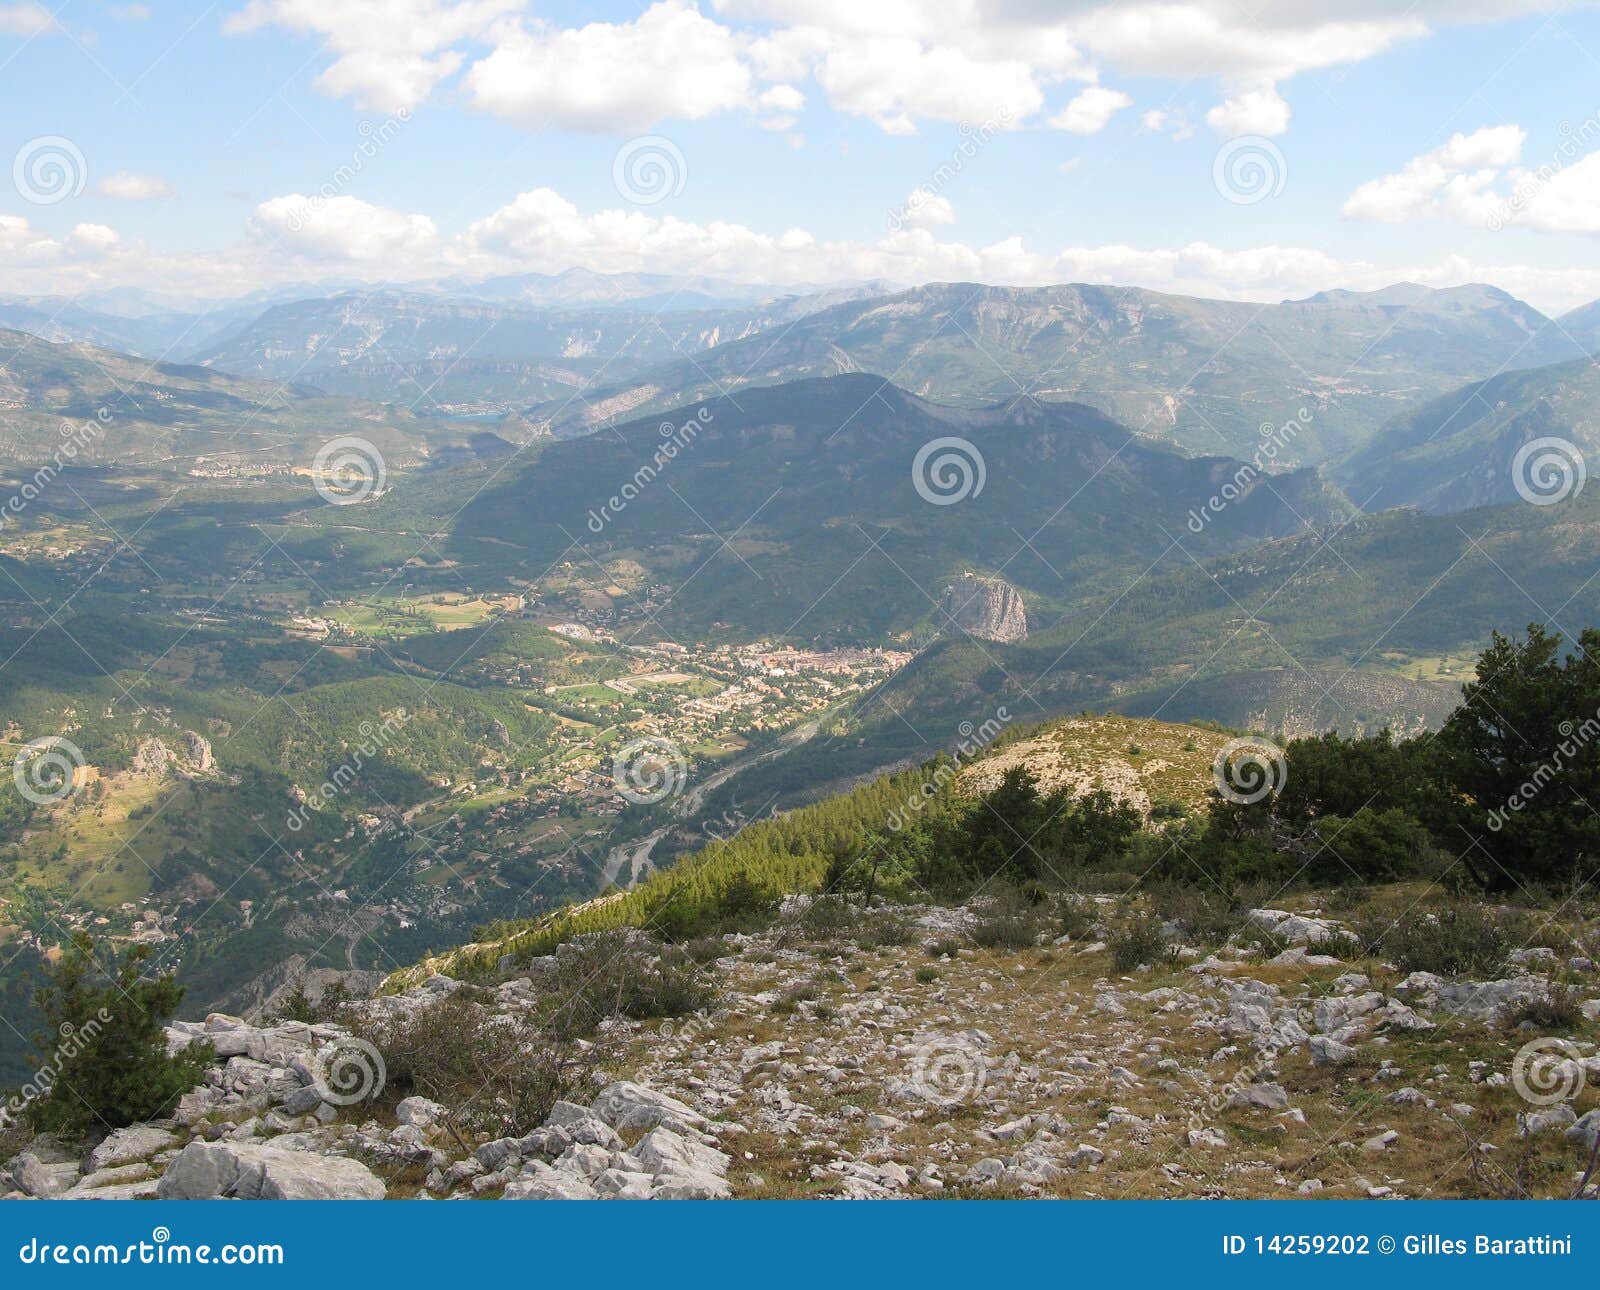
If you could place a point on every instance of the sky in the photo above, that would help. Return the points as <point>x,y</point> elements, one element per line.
<point>1253,149</point>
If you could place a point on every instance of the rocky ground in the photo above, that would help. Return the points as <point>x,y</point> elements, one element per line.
<point>894,1058</point>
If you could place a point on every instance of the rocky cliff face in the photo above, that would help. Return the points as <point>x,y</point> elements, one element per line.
<point>985,607</point>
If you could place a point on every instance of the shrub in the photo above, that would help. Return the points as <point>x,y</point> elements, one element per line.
<point>622,973</point>
<point>926,975</point>
<point>1077,916</point>
<point>790,1000</point>
<point>1008,921</point>
<point>1204,916</point>
<point>1559,1010</point>
<point>1455,941</point>
<point>705,950</point>
<point>497,1074</point>
<point>1137,942</point>
<point>885,929</point>
<point>946,947</point>
<point>105,1047</point>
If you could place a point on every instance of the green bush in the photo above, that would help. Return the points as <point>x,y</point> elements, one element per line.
<point>1009,921</point>
<point>1559,1010</point>
<point>1458,940</point>
<point>622,974</point>
<point>498,1075</point>
<point>105,1050</point>
<point>1137,942</point>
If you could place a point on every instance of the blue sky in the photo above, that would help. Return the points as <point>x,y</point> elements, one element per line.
<point>215,149</point>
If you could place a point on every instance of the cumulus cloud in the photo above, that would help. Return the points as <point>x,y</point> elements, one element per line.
<point>298,239</point>
<point>129,187</point>
<point>670,62</point>
<point>894,81</point>
<point>25,19</point>
<point>1091,111</point>
<point>1479,179</point>
<point>93,239</point>
<point>387,54</point>
<point>343,228</point>
<point>895,63</point>
<point>1258,111</point>
<point>925,208</point>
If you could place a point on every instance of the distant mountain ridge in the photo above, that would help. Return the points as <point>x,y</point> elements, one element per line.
<point>460,354</point>
<point>129,411</point>
<point>1206,374</point>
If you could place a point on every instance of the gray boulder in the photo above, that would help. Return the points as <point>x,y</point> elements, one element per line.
<point>539,1181</point>
<point>125,1146</point>
<point>630,1107</point>
<point>260,1171</point>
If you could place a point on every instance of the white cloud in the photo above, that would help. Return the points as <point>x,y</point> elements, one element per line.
<point>894,81</point>
<point>1565,200</point>
<point>896,62</point>
<point>129,187</point>
<point>388,54</point>
<point>93,239</point>
<point>924,209</point>
<point>670,62</point>
<point>300,239</point>
<point>343,228</point>
<point>25,19</point>
<point>1091,111</point>
<point>1259,45</point>
<point>782,98</point>
<point>1257,111</point>
<point>1480,179</point>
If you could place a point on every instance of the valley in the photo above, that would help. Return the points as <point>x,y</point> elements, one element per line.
<point>337,722</point>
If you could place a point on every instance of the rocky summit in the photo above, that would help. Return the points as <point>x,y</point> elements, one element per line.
<point>913,1051</point>
<point>988,608</point>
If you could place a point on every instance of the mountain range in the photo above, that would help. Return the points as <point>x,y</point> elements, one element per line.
<point>122,410</point>
<point>818,506</point>
<point>460,355</point>
<point>1205,374</point>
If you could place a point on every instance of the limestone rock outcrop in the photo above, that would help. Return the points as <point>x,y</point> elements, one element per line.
<point>988,608</point>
